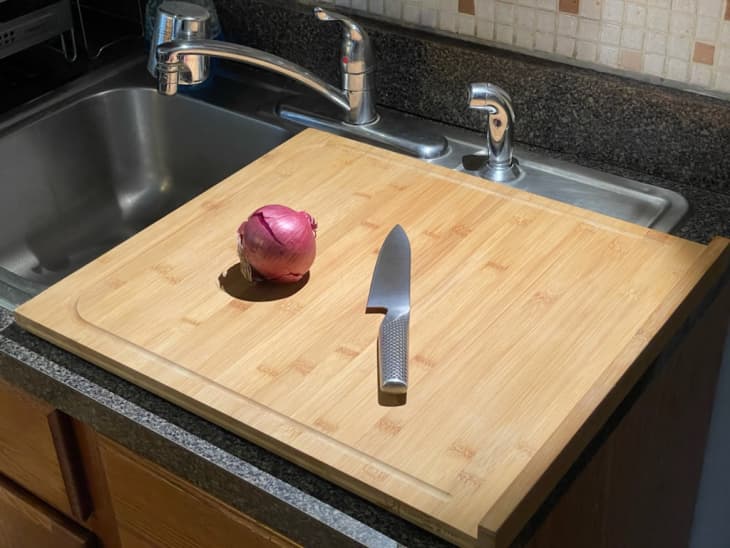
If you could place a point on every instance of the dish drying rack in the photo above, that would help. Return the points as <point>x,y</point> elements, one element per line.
<point>133,19</point>
<point>94,51</point>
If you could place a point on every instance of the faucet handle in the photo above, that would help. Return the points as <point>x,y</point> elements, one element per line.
<point>497,103</point>
<point>357,55</point>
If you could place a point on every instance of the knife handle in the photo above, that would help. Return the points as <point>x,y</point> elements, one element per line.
<point>393,353</point>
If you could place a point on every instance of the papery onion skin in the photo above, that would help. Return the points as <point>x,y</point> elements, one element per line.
<point>277,244</point>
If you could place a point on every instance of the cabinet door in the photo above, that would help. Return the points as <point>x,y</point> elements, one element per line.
<point>27,451</point>
<point>155,508</point>
<point>26,521</point>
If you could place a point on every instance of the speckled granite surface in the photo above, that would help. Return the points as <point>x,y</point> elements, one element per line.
<point>668,133</point>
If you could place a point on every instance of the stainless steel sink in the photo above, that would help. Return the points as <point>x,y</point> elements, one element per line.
<point>81,175</point>
<point>619,197</point>
<point>100,159</point>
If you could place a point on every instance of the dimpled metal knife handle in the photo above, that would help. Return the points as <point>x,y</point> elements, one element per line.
<point>393,353</point>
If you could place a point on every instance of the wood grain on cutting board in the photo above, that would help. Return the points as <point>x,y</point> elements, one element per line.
<point>525,313</point>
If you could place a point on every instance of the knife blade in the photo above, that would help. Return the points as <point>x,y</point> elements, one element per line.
<point>390,292</point>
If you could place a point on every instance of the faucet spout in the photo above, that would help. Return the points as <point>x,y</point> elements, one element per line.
<point>169,66</point>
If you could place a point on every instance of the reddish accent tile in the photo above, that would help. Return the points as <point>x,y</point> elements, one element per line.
<point>727,10</point>
<point>630,59</point>
<point>571,6</point>
<point>704,53</point>
<point>467,6</point>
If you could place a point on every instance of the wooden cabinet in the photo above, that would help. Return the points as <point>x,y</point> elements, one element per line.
<point>34,452</point>
<point>155,508</point>
<point>57,475</point>
<point>26,522</point>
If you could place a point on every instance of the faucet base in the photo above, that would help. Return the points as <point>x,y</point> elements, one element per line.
<point>478,164</point>
<point>392,129</point>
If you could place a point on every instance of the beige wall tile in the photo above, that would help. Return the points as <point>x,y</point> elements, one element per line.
<point>447,21</point>
<point>608,55</point>
<point>632,38</point>
<point>655,42</point>
<point>723,58</point>
<point>722,81</point>
<point>545,41</point>
<point>654,64</point>
<point>411,13</point>
<point>545,21</point>
<point>503,33</point>
<point>485,9</point>
<point>525,38</point>
<point>689,6</point>
<point>679,47</point>
<point>567,25</point>
<point>613,10</point>
<point>681,40</point>
<point>657,19</point>
<point>635,14</point>
<point>610,34</point>
<point>485,29</point>
<point>588,29</point>
<point>590,9</point>
<point>706,29</point>
<point>586,51</point>
<point>677,70</point>
<point>565,46</point>
<point>710,8</point>
<point>466,24</point>
<point>701,75</point>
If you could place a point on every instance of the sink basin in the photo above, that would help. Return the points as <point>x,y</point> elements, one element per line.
<point>83,176</point>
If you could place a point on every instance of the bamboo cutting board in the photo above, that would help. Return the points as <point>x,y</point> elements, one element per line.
<point>526,314</point>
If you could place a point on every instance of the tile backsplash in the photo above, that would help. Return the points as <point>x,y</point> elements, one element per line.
<point>685,42</point>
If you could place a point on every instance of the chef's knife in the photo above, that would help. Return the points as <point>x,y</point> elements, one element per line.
<point>390,291</point>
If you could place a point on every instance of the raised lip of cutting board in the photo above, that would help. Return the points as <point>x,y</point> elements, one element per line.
<point>511,503</point>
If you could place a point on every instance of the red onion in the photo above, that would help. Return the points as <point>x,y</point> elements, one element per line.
<point>277,244</point>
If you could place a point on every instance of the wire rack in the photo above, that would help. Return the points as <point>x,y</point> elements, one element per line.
<point>132,19</point>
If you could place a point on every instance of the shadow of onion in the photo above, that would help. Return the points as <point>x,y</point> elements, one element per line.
<point>232,282</point>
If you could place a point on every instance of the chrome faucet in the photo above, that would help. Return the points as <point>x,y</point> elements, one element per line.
<point>357,64</point>
<point>181,50</point>
<point>500,165</point>
<point>178,58</point>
